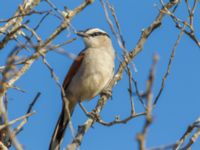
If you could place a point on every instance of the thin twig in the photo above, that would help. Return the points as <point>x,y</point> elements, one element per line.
<point>53,74</point>
<point>141,137</point>
<point>119,121</point>
<point>131,91</point>
<point>168,67</point>
<point>20,126</point>
<point>16,120</point>
<point>186,134</point>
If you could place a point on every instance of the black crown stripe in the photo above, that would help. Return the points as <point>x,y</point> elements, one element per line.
<point>98,34</point>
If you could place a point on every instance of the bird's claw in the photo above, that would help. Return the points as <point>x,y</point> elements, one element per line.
<point>93,115</point>
<point>107,92</point>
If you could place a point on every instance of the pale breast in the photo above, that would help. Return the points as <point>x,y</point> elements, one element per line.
<point>94,74</point>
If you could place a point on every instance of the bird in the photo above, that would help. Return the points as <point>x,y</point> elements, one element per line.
<point>88,76</point>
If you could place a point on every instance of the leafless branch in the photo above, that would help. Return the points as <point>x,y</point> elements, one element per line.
<point>20,126</point>
<point>16,120</point>
<point>169,66</point>
<point>186,134</point>
<point>180,23</point>
<point>141,137</point>
<point>119,121</point>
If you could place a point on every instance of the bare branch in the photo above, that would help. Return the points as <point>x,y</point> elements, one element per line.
<point>169,66</point>
<point>186,134</point>
<point>16,120</point>
<point>118,121</point>
<point>20,126</point>
<point>141,137</point>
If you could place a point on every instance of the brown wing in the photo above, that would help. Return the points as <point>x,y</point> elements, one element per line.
<point>73,69</point>
<point>64,119</point>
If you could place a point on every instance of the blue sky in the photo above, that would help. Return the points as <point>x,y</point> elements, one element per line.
<point>177,108</point>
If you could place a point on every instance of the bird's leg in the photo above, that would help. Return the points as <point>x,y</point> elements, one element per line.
<point>107,92</point>
<point>94,115</point>
<point>91,114</point>
<point>83,108</point>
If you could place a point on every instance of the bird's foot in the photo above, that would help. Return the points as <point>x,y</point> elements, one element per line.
<point>93,115</point>
<point>107,92</point>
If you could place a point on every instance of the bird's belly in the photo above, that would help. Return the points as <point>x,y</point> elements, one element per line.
<point>93,76</point>
<point>89,84</point>
<point>92,85</point>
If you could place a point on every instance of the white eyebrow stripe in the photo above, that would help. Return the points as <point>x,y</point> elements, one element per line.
<point>98,34</point>
<point>92,30</point>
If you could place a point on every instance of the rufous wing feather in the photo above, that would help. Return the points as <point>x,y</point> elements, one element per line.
<point>64,118</point>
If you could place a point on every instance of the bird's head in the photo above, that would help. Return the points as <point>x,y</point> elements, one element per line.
<point>95,37</point>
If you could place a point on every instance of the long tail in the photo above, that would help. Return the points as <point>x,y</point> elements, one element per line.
<point>61,126</point>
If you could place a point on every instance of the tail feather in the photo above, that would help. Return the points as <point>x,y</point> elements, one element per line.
<point>61,126</point>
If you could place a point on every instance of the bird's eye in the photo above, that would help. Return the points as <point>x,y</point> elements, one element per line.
<point>94,34</point>
<point>98,34</point>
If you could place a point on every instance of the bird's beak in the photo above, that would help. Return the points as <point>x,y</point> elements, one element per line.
<point>81,34</point>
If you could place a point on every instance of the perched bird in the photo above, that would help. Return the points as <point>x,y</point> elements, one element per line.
<point>89,74</point>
